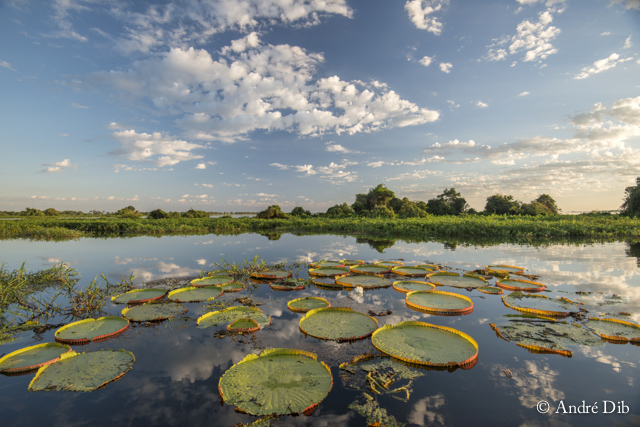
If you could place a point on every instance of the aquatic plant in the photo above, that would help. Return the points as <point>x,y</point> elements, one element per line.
<point>231,314</point>
<point>406,286</point>
<point>614,329</point>
<point>33,357</point>
<point>520,285</point>
<point>364,281</point>
<point>150,312</point>
<point>337,323</point>
<point>84,331</point>
<point>439,302</point>
<point>445,278</point>
<point>539,304</point>
<point>302,305</point>
<point>138,296</point>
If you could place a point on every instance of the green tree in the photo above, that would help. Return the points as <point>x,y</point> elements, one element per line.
<point>299,211</point>
<point>379,196</point>
<point>450,202</point>
<point>340,210</point>
<point>192,213</point>
<point>535,208</point>
<point>51,212</point>
<point>129,212</point>
<point>548,201</point>
<point>158,214</point>
<point>502,205</point>
<point>31,212</point>
<point>631,205</point>
<point>272,212</point>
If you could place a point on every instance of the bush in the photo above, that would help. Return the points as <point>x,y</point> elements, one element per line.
<point>272,212</point>
<point>631,205</point>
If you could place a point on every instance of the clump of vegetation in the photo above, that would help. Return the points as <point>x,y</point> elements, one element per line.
<point>631,205</point>
<point>500,204</point>
<point>272,212</point>
<point>300,211</point>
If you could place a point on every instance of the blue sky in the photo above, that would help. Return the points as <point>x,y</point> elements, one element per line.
<point>234,105</point>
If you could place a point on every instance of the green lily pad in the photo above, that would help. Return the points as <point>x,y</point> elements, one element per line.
<point>370,269</point>
<point>138,296</point>
<point>232,287</point>
<point>288,285</point>
<point>326,264</point>
<point>432,267</point>
<point>337,323</point>
<point>154,312</point>
<point>539,304</point>
<point>327,283</point>
<point>329,271</point>
<point>231,314</point>
<point>455,280</point>
<point>390,264</point>
<point>364,281</point>
<point>30,358</point>
<point>439,302</point>
<point>491,290</point>
<point>302,305</point>
<point>84,331</point>
<point>350,262</point>
<point>83,372</point>
<point>411,271</point>
<point>614,329</point>
<point>520,285</point>
<point>426,344</point>
<point>406,286</point>
<point>506,268</point>
<point>272,274</point>
<point>212,281</point>
<point>243,325</point>
<point>195,293</point>
<point>278,382</point>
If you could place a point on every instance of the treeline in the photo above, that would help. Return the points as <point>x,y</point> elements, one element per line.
<point>127,212</point>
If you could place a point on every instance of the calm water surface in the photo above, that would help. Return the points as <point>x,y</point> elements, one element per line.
<point>175,377</point>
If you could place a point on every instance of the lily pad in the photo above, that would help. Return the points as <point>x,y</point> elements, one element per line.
<point>406,286</point>
<point>243,325</point>
<point>364,281</point>
<point>539,304</point>
<point>506,268</point>
<point>370,269</point>
<point>326,264</point>
<point>329,271</point>
<point>272,274</point>
<point>84,331</point>
<point>195,293</point>
<point>520,285</point>
<point>278,382</point>
<point>232,287</point>
<point>432,267</point>
<point>138,296</point>
<point>327,283</point>
<point>411,271</point>
<point>491,290</point>
<point>212,281</point>
<point>615,329</point>
<point>288,285</point>
<point>302,305</point>
<point>337,323</point>
<point>350,262</point>
<point>231,314</point>
<point>30,358</point>
<point>455,280</point>
<point>439,302</point>
<point>83,372</point>
<point>390,264</point>
<point>426,344</point>
<point>154,312</point>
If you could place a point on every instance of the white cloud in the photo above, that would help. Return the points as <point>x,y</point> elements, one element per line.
<point>58,166</point>
<point>157,148</point>
<point>201,166</point>
<point>420,12</point>
<point>376,164</point>
<point>266,87</point>
<point>5,64</point>
<point>605,33</point>
<point>629,4</point>
<point>627,43</point>
<point>334,172</point>
<point>446,67</point>
<point>601,65</point>
<point>426,60</point>
<point>525,93</point>
<point>482,104</point>
<point>337,148</point>
<point>552,5</point>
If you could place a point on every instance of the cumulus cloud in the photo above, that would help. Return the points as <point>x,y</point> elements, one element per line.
<point>627,43</point>
<point>58,166</point>
<point>421,11</point>
<point>482,104</point>
<point>261,87</point>
<point>629,4</point>
<point>337,148</point>
<point>335,173</point>
<point>426,60</point>
<point>525,93</point>
<point>446,67</point>
<point>157,148</point>
<point>601,65</point>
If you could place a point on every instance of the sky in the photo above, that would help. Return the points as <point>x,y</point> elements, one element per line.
<point>235,105</point>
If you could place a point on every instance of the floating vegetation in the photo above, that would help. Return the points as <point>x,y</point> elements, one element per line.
<point>406,286</point>
<point>326,264</point>
<point>370,269</point>
<point>426,344</point>
<point>375,415</point>
<point>153,312</point>
<point>220,273</point>
<point>138,296</point>
<point>520,285</point>
<point>277,382</point>
<point>327,283</point>
<point>302,305</point>
<point>272,274</point>
<point>411,271</point>
<point>212,281</point>
<point>337,323</point>
<point>329,271</point>
<point>445,278</point>
<point>544,335</point>
<point>364,281</point>
<point>615,329</point>
<point>232,287</point>
<point>231,314</point>
<point>390,264</point>
<point>504,268</point>
<point>491,290</point>
<point>539,304</point>
<point>84,371</point>
<point>439,302</point>
<point>288,285</point>
<point>350,262</point>
<point>87,330</point>
<point>243,325</point>
<point>33,357</point>
<point>195,293</point>
<point>432,267</point>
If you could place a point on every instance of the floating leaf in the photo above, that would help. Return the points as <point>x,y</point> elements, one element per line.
<point>370,269</point>
<point>375,414</point>
<point>520,285</point>
<point>212,281</point>
<point>138,296</point>
<point>614,329</point>
<point>364,281</point>
<point>84,331</point>
<point>30,358</point>
<point>278,382</point>
<point>221,273</point>
<point>444,278</point>
<point>326,264</point>
<point>243,325</point>
<point>83,372</point>
<point>232,287</point>
<point>411,271</point>
<point>390,264</point>
<point>302,305</point>
<point>538,304</point>
<point>432,267</point>
<point>288,285</point>
<point>506,268</point>
<point>439,302</point>
<point>337,323</point>
<point>272,274</point>
<point>153,312</point>
<point>491,290</point>
<point>195,293</point>
<point>329,271</point>
<point>231,314</point>
<point>426,344</point>
<point>327,283</point>
<point>406,286</point>
<point>350,262</point>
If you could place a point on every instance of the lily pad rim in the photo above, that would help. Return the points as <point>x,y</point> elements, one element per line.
<point>345,309</point>
<point>31,348</point>
<point>90,320</point>
<point>464,310</point>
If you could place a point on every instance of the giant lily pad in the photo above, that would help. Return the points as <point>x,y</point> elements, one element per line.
<point>302,305</point>
<point>288,285</point>
<point>455,280</point>
<point>615,329</point>
<point>30,358</point>
<point>426,344</point>
<point>229,315</point>
<point>411,271</point>
<point>539,304</point>
<point>337,323</point>
<point>439,302</point>
<point>138,296</point>
<point>83,372</point>
<point>364,281</point>
<point>84,331</point>
<point>154,312</point>
<point>272,274</point>
<point>505,268</point>
<point>520,285</point>
<point>390,264</point>
<point>232,287</point>
<point>278,382</point>
<point>243,325</point>
<point>350,262</point>
<point>327,283</point>
<point>326,264</point>
<point>370,269</point>
<point>432,267</point>
<point>491,290</point>
<point>406,286</point>
<point>329,271</point>
<point>195,293</point>
<point>212,281</point>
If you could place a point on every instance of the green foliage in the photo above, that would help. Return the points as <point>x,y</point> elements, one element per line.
<point>450,202</point>
<point>379,196</point>
<point>192,213</point>
<point>548,201</point>
<point>32,212</point>
<point>51,212</point>
<point>342,210</point>
<point>299,211</point>
<point>631,205</point>
<point>272,212</point>
<point>535,208</point>
<point>158,214</point>
<point>129,212</point>
<point>500,204</point>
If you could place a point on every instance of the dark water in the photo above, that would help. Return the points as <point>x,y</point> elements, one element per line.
<point>175,377</point>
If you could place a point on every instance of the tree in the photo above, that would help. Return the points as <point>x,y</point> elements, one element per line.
<point>548,201</point>
<point>299,211</point>
<point>32,212</point>
<point>192,213</point>
<point>51,212</point>
<point>631,205</point>
<point>535,208</point>
<point>405,208</point>
<point>379,196</point>
<point>450,202</point>
<point>340,210</point>
<point>158,214</point>
<point>129,212</point>
<point>272,212</point>
<point>502,205</point>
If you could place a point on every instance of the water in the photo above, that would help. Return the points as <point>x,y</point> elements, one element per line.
<point>175,377</point>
